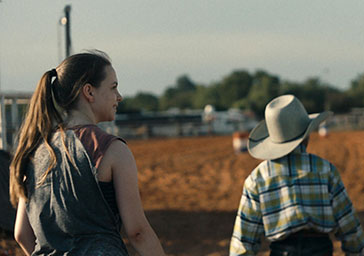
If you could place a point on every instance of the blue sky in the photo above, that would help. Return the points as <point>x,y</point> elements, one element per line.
<point>152,42</point>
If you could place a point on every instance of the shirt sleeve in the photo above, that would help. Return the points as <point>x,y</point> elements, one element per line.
<point>349,231</point>
<point>248,227</point>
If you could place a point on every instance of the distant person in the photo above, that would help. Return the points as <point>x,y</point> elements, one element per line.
<point>7,212</point>
<point>73,183</point>
<point>293,198</point>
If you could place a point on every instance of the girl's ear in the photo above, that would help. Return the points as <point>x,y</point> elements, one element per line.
<point>88,92</point>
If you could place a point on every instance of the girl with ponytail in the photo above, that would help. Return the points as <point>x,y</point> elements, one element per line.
<point>73,184</point>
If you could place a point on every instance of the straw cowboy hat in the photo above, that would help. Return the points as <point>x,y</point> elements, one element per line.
<point>285,126</point>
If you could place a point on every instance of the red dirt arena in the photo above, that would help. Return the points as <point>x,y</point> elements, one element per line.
<point>191,188</point>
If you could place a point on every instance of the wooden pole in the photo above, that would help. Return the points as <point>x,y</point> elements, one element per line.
<point>67,11</point>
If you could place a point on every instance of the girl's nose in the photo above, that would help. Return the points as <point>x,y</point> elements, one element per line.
<point>119,97</point>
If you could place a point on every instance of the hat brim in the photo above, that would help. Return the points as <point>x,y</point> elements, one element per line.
<point>261,146</point>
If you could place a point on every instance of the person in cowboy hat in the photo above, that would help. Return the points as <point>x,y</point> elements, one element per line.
<point>293,198</point>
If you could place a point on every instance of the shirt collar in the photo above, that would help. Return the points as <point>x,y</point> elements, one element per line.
<point>299,149</point>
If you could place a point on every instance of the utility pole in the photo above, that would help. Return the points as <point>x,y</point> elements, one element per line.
<point>2,116</point>
<point>67,11</point>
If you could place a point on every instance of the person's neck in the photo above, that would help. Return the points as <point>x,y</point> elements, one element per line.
<point>76,118</point>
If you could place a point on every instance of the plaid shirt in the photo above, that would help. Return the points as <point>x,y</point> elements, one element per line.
<point>295,192</point>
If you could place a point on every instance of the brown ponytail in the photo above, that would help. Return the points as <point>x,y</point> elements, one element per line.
<point>42,115</point>
<point>37,127</point>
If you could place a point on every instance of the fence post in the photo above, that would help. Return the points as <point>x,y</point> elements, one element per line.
<point>3,141</point>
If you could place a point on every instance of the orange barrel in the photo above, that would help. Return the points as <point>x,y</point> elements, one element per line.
<point>240,141</point>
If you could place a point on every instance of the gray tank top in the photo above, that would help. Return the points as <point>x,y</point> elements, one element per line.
<point>68,212</point>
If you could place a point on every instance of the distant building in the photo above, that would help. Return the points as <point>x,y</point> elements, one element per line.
<point>174,123</point>
<point>12,108</point>
<point>232,120</point>
<point>158,124</point>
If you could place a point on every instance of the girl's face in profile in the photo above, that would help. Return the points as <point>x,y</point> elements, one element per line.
<point>107,97</point>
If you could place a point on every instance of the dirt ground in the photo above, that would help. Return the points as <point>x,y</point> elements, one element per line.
<point>191,187</point>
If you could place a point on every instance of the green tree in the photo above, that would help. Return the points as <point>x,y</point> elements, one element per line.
<point>294,88</point>
<point>314,97</point>
<point>127,106</point>
<point>312,93</point>
<point>265,87</point>
<point>180,95</point>
<point>146,101</point>
<point>245,91</point>
<point>338,101</point>
<point>356,91</point>
<point>234,87</point>
<point>205,95</point>
<point>167,100</point>
<point>184,84</point>
<point>317,96</point>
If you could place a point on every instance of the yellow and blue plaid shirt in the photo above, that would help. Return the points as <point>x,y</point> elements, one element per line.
<point>295,192</point>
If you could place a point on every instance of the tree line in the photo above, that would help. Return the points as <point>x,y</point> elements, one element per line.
<point>248,91</point>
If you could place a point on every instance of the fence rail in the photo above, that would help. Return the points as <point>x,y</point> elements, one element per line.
<point>12,106</point>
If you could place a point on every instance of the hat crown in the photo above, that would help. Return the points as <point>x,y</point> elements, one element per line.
<point>286,118</point>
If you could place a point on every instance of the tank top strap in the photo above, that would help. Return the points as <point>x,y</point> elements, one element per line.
<point>95,140</point>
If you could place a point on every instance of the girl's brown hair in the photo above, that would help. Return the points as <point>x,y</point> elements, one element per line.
<point>60,86</point>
